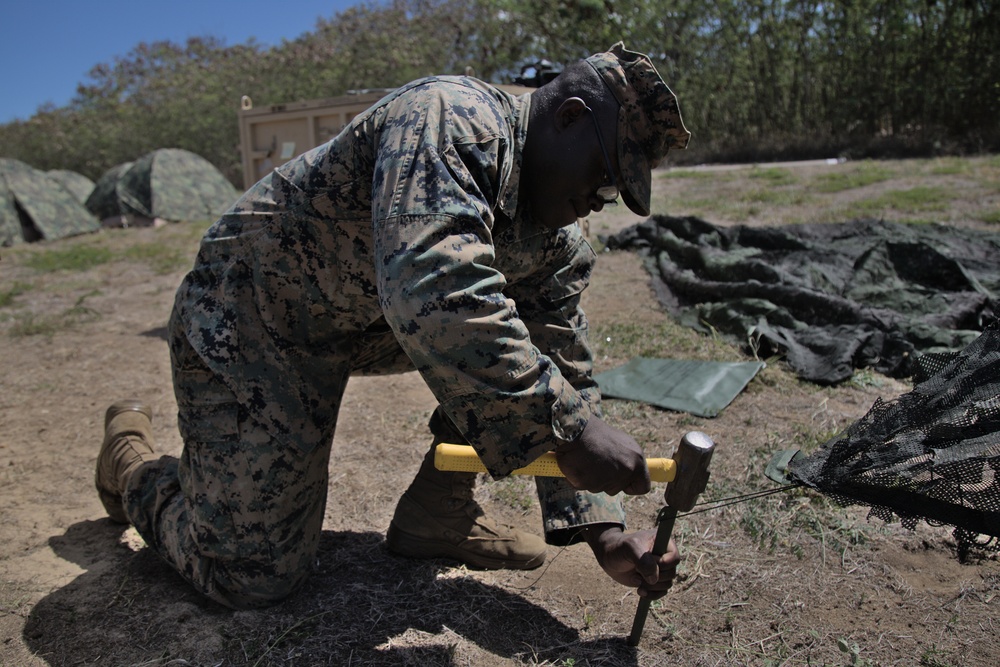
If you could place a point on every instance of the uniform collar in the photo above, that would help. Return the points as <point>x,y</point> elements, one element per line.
<point>520,111</point>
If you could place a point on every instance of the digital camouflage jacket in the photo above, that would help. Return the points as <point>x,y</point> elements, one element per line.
<point>398,245</point>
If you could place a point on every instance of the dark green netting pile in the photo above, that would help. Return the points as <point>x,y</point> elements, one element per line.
<point>829,298</point>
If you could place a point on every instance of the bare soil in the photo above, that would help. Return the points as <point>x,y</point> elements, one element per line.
<point>790,579</point>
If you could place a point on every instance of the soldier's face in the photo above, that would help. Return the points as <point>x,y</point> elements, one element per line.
<point>568,166</point>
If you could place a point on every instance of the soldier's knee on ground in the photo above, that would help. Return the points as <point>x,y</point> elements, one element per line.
<point>253,585</point>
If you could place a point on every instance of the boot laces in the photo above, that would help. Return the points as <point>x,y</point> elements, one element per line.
<point>462,490</point>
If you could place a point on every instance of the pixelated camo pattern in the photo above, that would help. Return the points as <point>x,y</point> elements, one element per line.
<point>565,510</point>
<point>649,118</point>
<point>399,244</point>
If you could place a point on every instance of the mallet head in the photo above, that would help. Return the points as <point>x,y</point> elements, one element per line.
<point>692,457</point>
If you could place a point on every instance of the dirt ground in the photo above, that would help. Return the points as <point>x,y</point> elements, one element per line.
<point>789,579</point>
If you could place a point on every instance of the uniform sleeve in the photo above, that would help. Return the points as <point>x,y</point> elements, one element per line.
<point>549,304</point>
<point>441,162</point>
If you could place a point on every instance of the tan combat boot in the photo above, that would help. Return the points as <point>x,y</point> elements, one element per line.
<point>438,518</point>
<point>127,443</point>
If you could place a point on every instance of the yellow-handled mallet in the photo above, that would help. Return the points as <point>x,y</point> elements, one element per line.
<point>463,458</point>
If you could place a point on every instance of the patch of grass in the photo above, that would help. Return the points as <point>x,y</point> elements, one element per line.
<point>73,258</point>
<point>826,522</point>
<point>921,199</point>
<point>172,248</point>
<point>15,290</point>
<point>160,257</point>
<point>625,340</point>
<point>515,491</point>
<point>851,177</point>
<point>758,524</point>
<point>800,521</point>
<point>775,197</point>
<point>32,324</point>
<point>694,175</point>
<point>932,657</point>
<point>706,204</point>
<point>775,176</point>
<point>990,217</point>
<point>950,167</point>
<point>866,378</point>
<point>14,599</point>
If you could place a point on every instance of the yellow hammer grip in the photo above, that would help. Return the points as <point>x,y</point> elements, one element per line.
<point>462,458</point>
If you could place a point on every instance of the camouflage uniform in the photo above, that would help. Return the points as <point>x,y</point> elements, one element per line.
<point>397,245</point>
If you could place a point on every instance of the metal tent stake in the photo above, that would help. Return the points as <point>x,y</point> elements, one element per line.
<point>692,457</point>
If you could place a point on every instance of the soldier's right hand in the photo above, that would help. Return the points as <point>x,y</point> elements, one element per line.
<point>604,459</point>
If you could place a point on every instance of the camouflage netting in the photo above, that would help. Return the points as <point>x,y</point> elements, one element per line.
<point>829,298</point>
<point>906,300</point>
<point>933,453</point>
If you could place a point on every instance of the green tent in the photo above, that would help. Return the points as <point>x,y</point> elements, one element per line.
<point>169,184</point>
<point>103,200</point>
<point>35,207</point>
<point>74,181</point>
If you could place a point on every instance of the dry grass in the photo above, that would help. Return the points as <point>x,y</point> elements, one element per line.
<point>790,579</point>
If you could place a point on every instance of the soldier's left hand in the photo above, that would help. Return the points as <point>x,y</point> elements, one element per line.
<point>628,559</point>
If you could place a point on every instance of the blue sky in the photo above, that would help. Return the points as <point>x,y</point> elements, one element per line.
<point>48,46</point>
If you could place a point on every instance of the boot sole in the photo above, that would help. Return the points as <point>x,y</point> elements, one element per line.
<point>113,506</point>
<point>404,544</point>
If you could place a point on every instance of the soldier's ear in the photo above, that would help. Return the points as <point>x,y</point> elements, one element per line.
<point>568,112</point>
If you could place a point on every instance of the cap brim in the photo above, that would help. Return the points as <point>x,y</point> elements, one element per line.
<point>636,172</point>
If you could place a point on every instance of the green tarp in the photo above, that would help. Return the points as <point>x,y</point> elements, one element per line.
<point>702,388</point>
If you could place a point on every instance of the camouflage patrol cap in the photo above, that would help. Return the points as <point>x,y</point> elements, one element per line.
<point>649,120</point>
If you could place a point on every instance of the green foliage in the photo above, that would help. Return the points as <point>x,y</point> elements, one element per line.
<point>760,79</point>
<point>854,651</point>
<point>932,657</point>
<point>774,197</point>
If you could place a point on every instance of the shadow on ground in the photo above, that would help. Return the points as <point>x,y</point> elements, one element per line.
<point>362,605</point>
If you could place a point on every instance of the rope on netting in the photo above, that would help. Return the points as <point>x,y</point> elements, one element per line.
<point>734,500</point>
